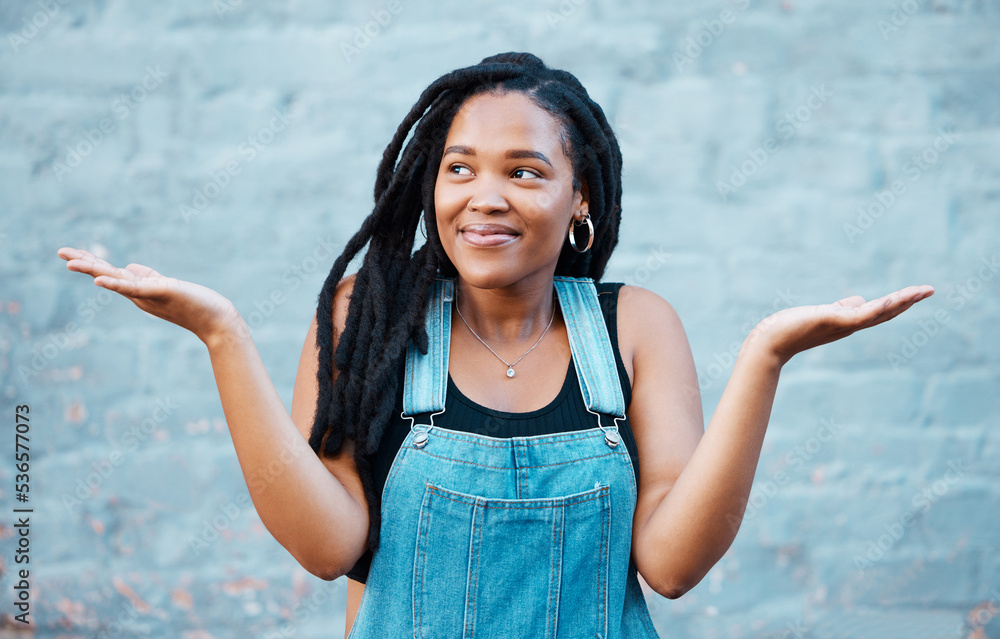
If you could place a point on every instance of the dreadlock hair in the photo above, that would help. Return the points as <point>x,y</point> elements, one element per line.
<point>387,305</point>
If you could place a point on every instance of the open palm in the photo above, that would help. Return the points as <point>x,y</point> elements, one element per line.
<point>800,328</point>
<point>197,308</point>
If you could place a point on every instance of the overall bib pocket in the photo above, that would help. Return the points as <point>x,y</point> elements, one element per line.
<point>490,567</point>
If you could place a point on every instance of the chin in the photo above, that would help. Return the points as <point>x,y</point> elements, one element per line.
<point>485,276</point>
<point>486,273</point>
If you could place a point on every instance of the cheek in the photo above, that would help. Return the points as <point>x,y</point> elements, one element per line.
<point>445,200</point>
<point>558,234</point>
<point>547,201</point>
<point>441,214</point>
<point>444,216</point>
<point>556,214</point>
<point>438,193</point>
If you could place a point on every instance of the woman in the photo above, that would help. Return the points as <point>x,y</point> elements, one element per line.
<point>425,454</point>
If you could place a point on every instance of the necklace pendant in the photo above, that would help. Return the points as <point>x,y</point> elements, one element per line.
<point>510,371</point>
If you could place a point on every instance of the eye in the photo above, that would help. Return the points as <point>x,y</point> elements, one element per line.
<point>451,169</point>
<point>528,171</point>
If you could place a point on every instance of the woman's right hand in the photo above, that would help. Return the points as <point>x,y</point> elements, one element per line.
<point>197,308</point>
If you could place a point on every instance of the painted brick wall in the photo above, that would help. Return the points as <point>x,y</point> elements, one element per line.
<point>776,154</point>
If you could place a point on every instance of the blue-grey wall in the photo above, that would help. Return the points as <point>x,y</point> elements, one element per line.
<point>776,154</point>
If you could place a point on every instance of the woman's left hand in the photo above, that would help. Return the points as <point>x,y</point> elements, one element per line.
<point>800,328</point>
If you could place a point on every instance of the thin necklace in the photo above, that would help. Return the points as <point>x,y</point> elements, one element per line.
<point>510,367</point>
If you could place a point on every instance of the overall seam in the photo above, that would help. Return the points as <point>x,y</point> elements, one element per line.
<point>419,567</point>
<point>555,573</point>
<point>602,579</point>
<point>470,463</point>
<point>556,501</point>
<point>472,585</point>
<point>533,440</point>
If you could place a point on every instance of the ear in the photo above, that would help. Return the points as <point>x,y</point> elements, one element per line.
<point>581,202</point>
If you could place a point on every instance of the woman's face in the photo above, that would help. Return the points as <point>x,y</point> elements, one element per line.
<point>504,193</point>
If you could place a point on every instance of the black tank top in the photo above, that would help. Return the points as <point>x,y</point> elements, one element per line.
<point>566,412</point>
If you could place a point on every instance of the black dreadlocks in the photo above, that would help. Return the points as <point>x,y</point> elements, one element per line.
<point>387,304</point>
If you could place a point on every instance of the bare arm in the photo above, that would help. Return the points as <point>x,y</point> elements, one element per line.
<point>693,486</point>
<point>683,519</point>
<point>313,507</point>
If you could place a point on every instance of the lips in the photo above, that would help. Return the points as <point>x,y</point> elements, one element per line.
<point>488,234</point>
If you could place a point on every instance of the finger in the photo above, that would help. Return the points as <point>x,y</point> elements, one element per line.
<point>872,312</point>
<point>862,314</point>
<point>897,305</point>
<point>911,295</point>
<point>82,255</point>
<point>888,302</point>
<point>912,292</point>
<point>903,305</point>
<point>97,270</point>
<point>69,253</point>
<point>133,289</point>
<point>882,315</point>
<point>92,265</point>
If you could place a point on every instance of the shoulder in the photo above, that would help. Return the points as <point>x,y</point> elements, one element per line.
<point>646,322</point>
<point>634,300</point>
<point>341,301</point>
<point>306,388</point>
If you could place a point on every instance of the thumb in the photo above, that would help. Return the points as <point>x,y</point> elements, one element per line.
<point>851,302</point>
<point>142,270</point>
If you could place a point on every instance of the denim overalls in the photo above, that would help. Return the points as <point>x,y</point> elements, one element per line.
<point>512,538</point>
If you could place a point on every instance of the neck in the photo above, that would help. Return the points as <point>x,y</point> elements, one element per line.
<point>510,314</point>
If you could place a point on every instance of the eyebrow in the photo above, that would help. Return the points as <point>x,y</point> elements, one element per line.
<point>512,154</point>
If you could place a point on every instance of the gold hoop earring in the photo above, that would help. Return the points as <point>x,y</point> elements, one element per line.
<point>572,233</point>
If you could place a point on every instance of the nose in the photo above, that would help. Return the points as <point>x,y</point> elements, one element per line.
<point>487,197</point>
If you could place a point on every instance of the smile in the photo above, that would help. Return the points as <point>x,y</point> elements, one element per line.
<point>484,235</point>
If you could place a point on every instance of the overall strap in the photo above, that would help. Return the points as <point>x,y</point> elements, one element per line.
<point>590,345</point>
<point>426,380</point>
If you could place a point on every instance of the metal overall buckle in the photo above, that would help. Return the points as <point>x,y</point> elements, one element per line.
<point>611,435</point>
<point>420,437</point>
